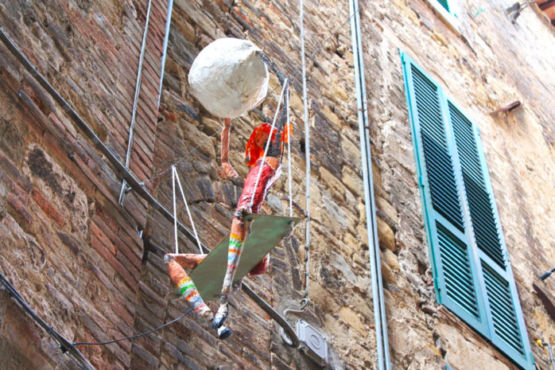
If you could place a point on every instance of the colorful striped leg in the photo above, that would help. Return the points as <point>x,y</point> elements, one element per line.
<point>233,257</point>
<point>188,289</point>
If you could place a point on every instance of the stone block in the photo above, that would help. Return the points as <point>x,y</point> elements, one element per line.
<point>388,275</point>
<point>388,209</point>
<point>386,237</point>
<point>352,181</point>
<point>332,182</point>
<point>351,318</point>
<point>391,259</point>
<point>322,297</point>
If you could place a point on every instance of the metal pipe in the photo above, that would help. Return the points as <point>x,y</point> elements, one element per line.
<point>273,314</point>
<point>307,154</point>
<point>135,100</point>
<point>366,156</point>
<point>550,350</point>
<point>124,172</point>
<point>165,49</point>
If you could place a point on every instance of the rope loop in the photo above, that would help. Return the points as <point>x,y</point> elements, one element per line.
<point>175,178</point>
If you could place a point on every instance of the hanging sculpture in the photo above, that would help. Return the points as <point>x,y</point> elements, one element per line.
<point>229,78</point>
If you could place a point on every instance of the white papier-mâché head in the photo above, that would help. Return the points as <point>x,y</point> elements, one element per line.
<point>229,77</point>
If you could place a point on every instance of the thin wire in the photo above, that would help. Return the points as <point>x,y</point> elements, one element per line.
<point>322,45</point>
<point>135,101</point>
<point>165,48</point>
<point>150,331</point>
<point>307,155</point>
<point>174,212</point>
<point>137,87</point>
<point>285,83</point>
<point>289,155</point>
<point>188,210</point>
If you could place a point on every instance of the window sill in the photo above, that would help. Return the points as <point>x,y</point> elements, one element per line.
<point>450,19</point>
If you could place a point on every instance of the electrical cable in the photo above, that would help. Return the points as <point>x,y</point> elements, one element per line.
<point>150,331</point>
<point>65,345</point>
<point>135,101</point>
<point>175,177</point>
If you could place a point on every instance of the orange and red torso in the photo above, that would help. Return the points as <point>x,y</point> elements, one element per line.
<point>257,142</point>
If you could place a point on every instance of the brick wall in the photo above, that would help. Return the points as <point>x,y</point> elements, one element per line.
<point>70,249</point>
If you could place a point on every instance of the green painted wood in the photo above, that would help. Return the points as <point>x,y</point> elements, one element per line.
<point>470,262</point>
<point>265,233</point>
<point>507,329</point>
<point>437,158</point>
<point>453,262</point>
<point>479,200</point>
<point>445,4</point>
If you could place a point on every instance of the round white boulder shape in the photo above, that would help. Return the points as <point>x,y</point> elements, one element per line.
<point>229,77</point>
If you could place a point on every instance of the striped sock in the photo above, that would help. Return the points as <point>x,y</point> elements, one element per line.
<point>188,289</point>
<point>233,256</point>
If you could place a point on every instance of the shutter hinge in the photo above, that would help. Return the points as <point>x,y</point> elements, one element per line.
<point>420,181</point>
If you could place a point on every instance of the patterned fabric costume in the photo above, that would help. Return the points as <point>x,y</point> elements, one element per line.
<point>268,176</point>
<point>269,170</point>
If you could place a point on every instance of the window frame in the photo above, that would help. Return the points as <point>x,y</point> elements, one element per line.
<point>450,17</point>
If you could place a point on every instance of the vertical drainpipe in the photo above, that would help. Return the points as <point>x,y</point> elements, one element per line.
<point>374,248</point>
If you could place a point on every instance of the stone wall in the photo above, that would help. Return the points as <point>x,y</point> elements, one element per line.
<point>488,64</point>
<point>77,257</point>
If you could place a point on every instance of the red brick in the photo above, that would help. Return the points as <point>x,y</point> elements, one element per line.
<point>19,208</point>
<point>123,313</point>
<point>102,238</point>
<point>48,208</point>
<point>122,271</point>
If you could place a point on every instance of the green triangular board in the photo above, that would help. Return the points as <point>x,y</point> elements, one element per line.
<point>265,233</point>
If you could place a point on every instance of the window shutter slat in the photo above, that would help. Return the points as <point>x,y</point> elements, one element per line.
<point>453,265</point>
<point>456,266</point>
<point>437,159</point>
<point>503,312</point>
<point>479,201</point>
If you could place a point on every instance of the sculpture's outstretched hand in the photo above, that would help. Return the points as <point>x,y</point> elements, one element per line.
<point>226,171</point>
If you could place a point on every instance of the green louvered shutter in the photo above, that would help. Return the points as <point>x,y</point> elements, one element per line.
<point>445,4</point>
<point>506,325</point>
<point>454,264</point>
<point>470,264</point>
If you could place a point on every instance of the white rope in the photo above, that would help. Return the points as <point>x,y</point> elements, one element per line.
<point>135,101</point>
<point>175,176</point>
<point>285,83</point>
<point>307,153</point>
<point>289,154</point>
<point>174,212</point>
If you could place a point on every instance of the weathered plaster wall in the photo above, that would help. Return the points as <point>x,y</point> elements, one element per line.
<point>75,255</point>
